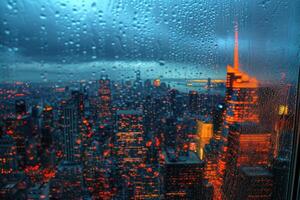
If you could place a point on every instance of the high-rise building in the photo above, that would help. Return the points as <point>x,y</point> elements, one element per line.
<point>8,155</point>
<point>254,183</point>
<point>205,133</point>
<point>194,102</point>
<point>130,148</point>
<point>147,183</point>
<point>71,137</point>
<point>240,106</point>
<point>21,129</point>
<point>176,103</point>
<point>47,126</point>
<point>105,102</point>
<point>182,177</point>
<point>78,99</point>
<point>248,145</point>
<point>241,93</point>
<point>130,144</point>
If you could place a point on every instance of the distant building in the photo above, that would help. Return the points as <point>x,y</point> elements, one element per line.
<point>8,155</point>
<point>78,99</point>
<point>194,102</point>
<point>21,129</point>
<point>47,127</point>
<point>71,137</point>
<point>104,93</point>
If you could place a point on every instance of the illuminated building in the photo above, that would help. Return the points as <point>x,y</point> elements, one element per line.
<point>71,137</point>
<point>182,176</point>
<point>20,128</point>
<point>147,184</point>
<point>241,93</point>
<point>248,145</point>
<point>156,82</point>
<point>8,155</point>
<point>194,102</point>
<point>283,134</point>
<point>130,136</point>
<point>47,149</point>
<point>241,97</point>
<point>205,133</point>
<point>105,101</point>
<point>241,106</point>
<point>130,147</point>
<point>254,183</point>
<point>211,158</point>
<point>47,126</point>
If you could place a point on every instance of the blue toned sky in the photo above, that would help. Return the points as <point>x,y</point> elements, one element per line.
<point>81,39</point>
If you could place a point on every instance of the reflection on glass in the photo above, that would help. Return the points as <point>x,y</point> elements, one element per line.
<point>147,100</point>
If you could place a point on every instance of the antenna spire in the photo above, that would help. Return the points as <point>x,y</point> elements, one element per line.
<point>236,48</point>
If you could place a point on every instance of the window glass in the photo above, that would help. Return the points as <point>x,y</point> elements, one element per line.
<point>147,99</point>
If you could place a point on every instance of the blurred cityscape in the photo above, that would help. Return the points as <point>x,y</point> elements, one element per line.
<point>144,139</point>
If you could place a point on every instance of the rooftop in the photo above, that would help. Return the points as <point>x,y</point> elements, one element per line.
<point>190,158</point>
<point>255,171</point>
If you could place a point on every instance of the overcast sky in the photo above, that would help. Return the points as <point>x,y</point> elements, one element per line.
<point>74,39</point>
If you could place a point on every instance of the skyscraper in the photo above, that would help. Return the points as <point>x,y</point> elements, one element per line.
<point>130,149</point>
<point>182,176</point>
<point>71,137</point>
<point>8,155</point>
<point>249,145</point>
<point>241,92</point>
<point>255,183</point>
<point>47,126</point>
<point>205,133</point>
<point>194,102</point>
<point>241,106</point>
<point>105,101</point>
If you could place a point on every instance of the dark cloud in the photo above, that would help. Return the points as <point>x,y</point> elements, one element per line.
<point>195,32</point>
